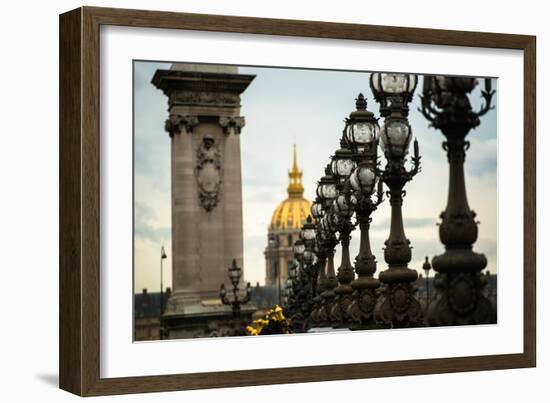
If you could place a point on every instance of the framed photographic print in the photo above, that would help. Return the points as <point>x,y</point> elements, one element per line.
<point>338,194</point>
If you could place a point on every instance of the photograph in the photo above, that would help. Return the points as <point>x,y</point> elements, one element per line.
<point>270,200</point>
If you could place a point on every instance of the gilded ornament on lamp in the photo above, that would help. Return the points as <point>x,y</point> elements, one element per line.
<point>274,322</point>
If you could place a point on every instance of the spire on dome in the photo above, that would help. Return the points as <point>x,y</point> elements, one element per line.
<point>295,186</point>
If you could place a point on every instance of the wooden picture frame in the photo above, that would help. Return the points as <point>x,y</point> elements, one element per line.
<point>80,184</point>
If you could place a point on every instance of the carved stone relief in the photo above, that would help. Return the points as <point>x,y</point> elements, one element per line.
<point>195,98</point>
<point>209,173</point>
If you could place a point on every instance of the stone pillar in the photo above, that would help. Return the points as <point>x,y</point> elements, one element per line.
<point>204,124</point>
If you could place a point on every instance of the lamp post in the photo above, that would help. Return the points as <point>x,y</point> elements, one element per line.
<point>341,211</point>
<point>288,288</point>
<point>274,246</point>
<point>236,301</point>
<point>295,308</point>
<point>161,305</point>
<point>317,211</point>
<point>459,297</point>
<point>301,285</point>
<point>162,257</point>
<point>427,267</point>
<point>398,306</point>
<point>361,135</point>
<point>309,272</point>
<point>327,192</point>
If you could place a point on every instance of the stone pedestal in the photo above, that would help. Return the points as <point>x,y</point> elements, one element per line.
<point>204,125</point>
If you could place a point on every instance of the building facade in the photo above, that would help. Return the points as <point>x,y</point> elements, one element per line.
<point>284,229</point>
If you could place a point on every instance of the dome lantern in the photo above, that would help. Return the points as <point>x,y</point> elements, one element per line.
<point>294,210</point>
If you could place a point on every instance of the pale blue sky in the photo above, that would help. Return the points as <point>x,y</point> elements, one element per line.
<point>306,107</point>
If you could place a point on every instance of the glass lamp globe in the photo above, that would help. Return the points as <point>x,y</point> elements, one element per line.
<point>361,127</point>
<point>342,203</point>
<point>308,231</point>
<point>363,179</point>
<point>342,163</point>
<point>396,137</point>
<point>299,247</point>
<point>328,190</point>
<point>308,257</point>
<point>362,134</point>
<point>393,83</point>
<point>292,272</point>
<point>308,234</point>
<point>234,273</point>
<point>317,210</point>
<point>318,190</point>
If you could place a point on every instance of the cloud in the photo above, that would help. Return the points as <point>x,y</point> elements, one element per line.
<point>481,159</point>
<point>408,223</point>
<point>145,225</point>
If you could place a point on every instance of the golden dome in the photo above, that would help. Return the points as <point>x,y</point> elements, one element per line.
<point>292,212</point>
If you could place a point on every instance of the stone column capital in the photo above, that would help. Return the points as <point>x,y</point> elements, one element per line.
<point>232,124</point>
<point>175,124</point>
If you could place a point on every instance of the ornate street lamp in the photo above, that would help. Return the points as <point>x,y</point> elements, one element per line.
<point>326,188</point>
<point>290,285</point>
<point>162,329</point>
<point>343,293</point>
<point>343,164</point>
<point>319,289</point>
<point>393,91</point>
<point>162,257</point>
<point>361,135</point>
<point>361,129</point>
<point>293,306</point>
<point>304,277</point>
<point>310,268</point>
<point>327,191</point>
<point>459,297</point>
<point>398,306</point>
<point>236,301</point>
<point>317,210</point>
<point>299,249</point>
<point>273,243</point>
<point>318,213</point>
<point>308,233</point>
<point>329,282</point>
